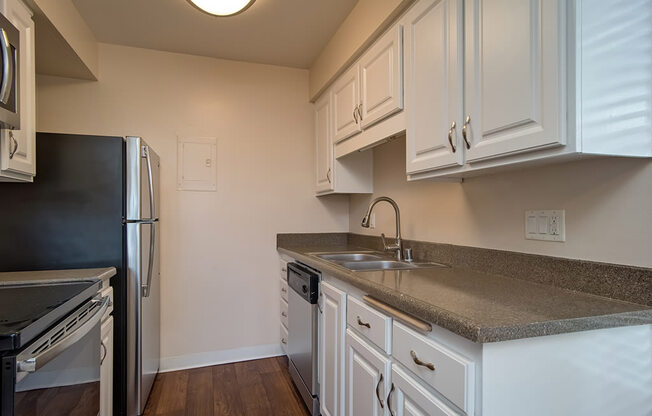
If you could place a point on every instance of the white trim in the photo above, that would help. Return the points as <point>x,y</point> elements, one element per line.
<point>208,358</point>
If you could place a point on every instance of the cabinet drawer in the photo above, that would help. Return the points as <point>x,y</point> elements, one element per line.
<point>283,269</point>
<point>284,290</point>
<point>453,375</point>
<point>284,338</point>
<point>284,313</point>
<point>413,399</point>
<point>371,323</point>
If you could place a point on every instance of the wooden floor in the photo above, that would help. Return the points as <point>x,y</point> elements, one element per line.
<point>259,387</point>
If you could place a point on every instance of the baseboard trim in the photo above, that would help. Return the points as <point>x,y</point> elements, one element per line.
<point>204,359</point>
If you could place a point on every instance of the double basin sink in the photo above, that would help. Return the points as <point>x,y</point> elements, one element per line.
<point>371,261</point>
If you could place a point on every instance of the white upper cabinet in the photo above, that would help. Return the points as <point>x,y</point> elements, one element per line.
<point>381,78</point>
<point>18,147</point>
<point>434,80</point>
<point>323,145</point>
<point>513,76</point>
<point>346,104</point>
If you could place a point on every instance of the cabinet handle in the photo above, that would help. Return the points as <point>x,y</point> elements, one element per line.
<point>380,380</point>
<point>363,323</point>
<point>360,111</point>
<point>14,143</point>
<point>284,290</point>
<point>104,352</point>
<point>389,400</point>
<point>328,174</point>
<point>284,341</point>
<point>450,137</point>
<point>283,269</point>
<point>355,114</point>
<point>284,315</point>
<point>467,121</point>
<point>417,361</point>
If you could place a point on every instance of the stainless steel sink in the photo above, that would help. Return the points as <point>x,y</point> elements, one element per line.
<point>346,257</point>
<point>377,265</point>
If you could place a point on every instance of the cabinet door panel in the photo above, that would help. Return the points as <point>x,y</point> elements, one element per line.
<point>24,139</point>
<point>381,78</point>
<point>410,398</point>
<point>106,369</point>
<point>433,77</point>
<point>323,145</point>
<point>346,97</point>
<point>331,350</point>
<point>513,84</point>
<point>367,372</point>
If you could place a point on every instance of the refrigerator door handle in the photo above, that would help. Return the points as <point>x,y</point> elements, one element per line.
<point>150,266</point>
<point>145,154</point>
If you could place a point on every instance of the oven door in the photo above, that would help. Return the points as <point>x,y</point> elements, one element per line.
<point>59,374</point>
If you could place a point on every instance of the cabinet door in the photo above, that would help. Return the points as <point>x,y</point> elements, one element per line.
<point>513,79</point>
<point>22,142</point>
<point>106,368</point>
<point>410,398</point>
<point>346,97</point>
<point>331,350</point>
<point>323,144</point>
<point>381,78</point>
<point>368,377</point>
<point>433,79</point>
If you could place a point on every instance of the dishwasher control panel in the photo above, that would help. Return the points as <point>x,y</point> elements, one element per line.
<point>303,281</point>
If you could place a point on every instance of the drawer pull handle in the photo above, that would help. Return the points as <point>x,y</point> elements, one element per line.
<point>389,400</point>
<point>417,361</point>
<point>284,315</point>
<point>284,270</point>
<point>363,323</point>
<point>380,380</point>
<point>284,341</point>
<point>284,290</point>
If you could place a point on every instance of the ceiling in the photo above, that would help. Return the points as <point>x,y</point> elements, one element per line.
<point>278,32</point>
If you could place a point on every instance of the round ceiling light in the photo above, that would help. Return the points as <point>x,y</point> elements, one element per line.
<point>222,7</point>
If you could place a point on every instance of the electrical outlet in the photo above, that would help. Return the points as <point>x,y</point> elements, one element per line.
<point>546,225</point>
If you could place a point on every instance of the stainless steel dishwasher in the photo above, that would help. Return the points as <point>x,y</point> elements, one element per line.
<point>302,327</point>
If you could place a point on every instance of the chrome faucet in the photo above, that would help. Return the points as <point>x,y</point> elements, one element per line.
<point>398,245</point>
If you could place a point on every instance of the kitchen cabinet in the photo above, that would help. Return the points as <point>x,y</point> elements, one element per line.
<point>332,325</point>
<point>346,104</point>
<point>434,80</point>
<point>368,377</point>
<point>350,174</point>
<point>106,368</point>
<point>513,87</point>
<point>284,333</point>
<point>381,78</point>
<point>409,397</point>
<point>18,147</point>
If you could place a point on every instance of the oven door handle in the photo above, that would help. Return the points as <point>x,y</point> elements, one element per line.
<point>33,363</point>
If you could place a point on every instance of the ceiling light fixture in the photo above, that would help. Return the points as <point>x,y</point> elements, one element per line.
<point>222,7</point>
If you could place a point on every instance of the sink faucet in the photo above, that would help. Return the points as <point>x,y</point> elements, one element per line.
<point>398,245</point>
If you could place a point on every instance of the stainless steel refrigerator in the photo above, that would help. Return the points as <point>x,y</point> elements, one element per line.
<point>95,203</point>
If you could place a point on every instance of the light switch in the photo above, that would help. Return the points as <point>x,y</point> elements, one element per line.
<point>546,225</point>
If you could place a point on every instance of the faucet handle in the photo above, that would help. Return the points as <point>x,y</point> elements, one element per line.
<point>382,237</point>
<point>408,254</point>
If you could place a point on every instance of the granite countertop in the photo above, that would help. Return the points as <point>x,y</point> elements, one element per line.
<point>56,276</point>
<point>480,306</point>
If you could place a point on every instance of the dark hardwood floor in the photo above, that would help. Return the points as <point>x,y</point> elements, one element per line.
<point>259,387</point>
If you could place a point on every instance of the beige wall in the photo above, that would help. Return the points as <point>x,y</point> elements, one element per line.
<point>608,205</point>
<point>367,19</point>
<point>219,262</point>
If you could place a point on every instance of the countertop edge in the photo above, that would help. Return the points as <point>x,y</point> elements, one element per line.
<point>466,328</point>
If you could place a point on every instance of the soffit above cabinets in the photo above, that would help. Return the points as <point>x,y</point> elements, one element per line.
<point>277,32</point>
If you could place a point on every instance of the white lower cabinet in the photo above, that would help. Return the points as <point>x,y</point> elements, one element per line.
<point>409,398</point>
<point>106,368</point>
<point>368,377</point>
<point>332,325</point>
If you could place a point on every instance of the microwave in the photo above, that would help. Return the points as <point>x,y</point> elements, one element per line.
<point>9,53</point>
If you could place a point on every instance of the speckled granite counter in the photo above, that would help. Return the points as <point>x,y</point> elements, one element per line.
<point>56,276</point>
<point>479,306</point>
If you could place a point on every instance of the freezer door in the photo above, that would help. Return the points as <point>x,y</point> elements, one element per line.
<point>143,319</point>
<point>143,165</point>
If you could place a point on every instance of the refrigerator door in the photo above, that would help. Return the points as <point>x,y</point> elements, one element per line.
<point>143,273</point>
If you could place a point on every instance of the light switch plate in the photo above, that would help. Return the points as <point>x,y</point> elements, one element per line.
<point>546,225</point>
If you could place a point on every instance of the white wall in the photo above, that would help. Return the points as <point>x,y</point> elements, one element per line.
<point>608,205</point>
<point>218,260</point>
